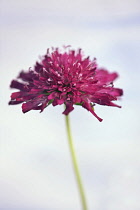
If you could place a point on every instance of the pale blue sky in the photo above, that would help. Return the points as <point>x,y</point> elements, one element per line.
<point>35,164</point>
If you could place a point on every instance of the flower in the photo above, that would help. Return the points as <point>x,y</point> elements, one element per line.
<point>65,78</point>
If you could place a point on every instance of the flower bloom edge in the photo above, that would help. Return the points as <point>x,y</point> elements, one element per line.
<point>65,78</point>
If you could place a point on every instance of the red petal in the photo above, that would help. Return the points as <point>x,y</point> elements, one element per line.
<point>89,108</point>
<point>69,108</point>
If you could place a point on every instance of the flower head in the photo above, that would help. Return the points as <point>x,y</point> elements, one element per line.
<point>65,78</point>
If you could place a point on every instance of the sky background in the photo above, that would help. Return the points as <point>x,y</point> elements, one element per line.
<point>35,165</point>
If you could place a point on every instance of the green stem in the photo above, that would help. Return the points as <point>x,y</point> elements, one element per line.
<point>75,165</point>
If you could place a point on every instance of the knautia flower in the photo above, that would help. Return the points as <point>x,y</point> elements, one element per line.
<point>65,78</point>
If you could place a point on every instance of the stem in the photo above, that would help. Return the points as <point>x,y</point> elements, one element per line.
<point>75,165</point>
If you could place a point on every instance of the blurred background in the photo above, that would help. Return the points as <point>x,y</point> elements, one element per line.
<point>35,164</point>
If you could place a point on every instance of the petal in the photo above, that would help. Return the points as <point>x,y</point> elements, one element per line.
<point>18,85</point>
<point>112,91</point>
<point>51,96</point>
<point>16,95</point>
<point>69,108</point>
<point>38,67</point>
<point>14,102</point>
<point>104,77</point>
<point>57,101</point>
<point>104,99</point>
<point>89,108</point>
<point>30,105</point>
<point>112,104</point>
<point>28,76</point>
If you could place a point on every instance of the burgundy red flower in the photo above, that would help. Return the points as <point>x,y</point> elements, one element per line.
<point>65,78</point>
